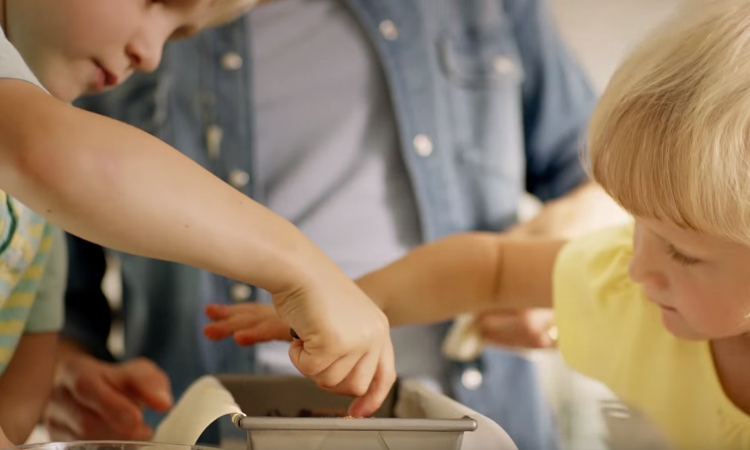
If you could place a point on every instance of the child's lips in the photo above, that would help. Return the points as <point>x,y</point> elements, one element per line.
<point>104,78</point>
<point>661,305</point>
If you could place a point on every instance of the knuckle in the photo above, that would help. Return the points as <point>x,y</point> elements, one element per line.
<point>312,368</point>
<point>326,381</point>
<point>384,326</point>
<point>84,386</point>
<point>325,384</point>
<point>359,388</point>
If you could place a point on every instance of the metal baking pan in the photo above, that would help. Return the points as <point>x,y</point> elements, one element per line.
<point>259,395</point>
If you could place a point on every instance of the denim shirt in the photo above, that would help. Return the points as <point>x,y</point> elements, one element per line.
<point>488,103</point>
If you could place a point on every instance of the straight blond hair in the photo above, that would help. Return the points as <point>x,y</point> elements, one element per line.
<point>669,137</point>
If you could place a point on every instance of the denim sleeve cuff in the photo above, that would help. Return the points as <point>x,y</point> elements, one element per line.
<point>77,330</point>
<point>565,180</point>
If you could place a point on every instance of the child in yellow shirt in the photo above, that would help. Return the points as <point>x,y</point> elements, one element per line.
<point>659,310</point>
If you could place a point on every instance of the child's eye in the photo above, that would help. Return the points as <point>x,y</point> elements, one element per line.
<point>680,258</point>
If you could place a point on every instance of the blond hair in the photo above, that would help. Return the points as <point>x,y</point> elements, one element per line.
<point>223,11</point>
<point>670,136</point>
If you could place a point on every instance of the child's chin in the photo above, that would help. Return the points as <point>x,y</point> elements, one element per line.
<point>66,94</point>
<point>676,325</point>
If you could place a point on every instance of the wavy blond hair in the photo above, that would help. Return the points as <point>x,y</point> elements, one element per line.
<point>670,136</point>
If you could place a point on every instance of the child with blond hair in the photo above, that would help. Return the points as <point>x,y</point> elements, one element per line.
<point>659,310</point>
<point>119,187</point>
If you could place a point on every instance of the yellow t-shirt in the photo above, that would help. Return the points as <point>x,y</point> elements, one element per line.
<point>609,331</point>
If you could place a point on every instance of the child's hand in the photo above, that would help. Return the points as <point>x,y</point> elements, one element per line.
<point>345,343</point>
<point>248,323</point>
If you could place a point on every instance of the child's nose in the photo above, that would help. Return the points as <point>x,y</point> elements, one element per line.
<point>646,276</point>
<point>144,56</point>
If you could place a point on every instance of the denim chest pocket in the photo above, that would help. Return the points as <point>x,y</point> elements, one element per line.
<point>480,57</point>
<point>483,75</point>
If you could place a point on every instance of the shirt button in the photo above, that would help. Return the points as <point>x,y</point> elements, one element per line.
<point>472,379</point>
<point>503,65</point>
<point>240,292</point>
<point>214,134</point>
<point>231,61</point>
<point>422,145</point>
<point>389,30</point>
<point>238,178</point>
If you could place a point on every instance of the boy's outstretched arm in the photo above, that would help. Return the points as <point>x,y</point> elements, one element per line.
<point>122,188</point>
<point>438,281</point>
<point>464,273</point>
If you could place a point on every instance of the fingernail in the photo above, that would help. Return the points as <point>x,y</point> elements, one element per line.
<point>166,397</point>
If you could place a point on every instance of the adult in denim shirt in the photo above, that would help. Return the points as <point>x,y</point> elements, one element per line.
<point>373,126</point>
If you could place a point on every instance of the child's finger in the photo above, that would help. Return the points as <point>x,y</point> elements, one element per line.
<point>265,331</point>
<point>332,377</point>
<point>309,364</point>
<point>359,378</point>
<point>217,312</point>
<point>225,328</point>
<point>380,386</point>
<point>246,318</point>
<point>216,331</point>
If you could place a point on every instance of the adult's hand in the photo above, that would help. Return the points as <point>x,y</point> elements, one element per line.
<point>96,400</point>
<point>530,328</point>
